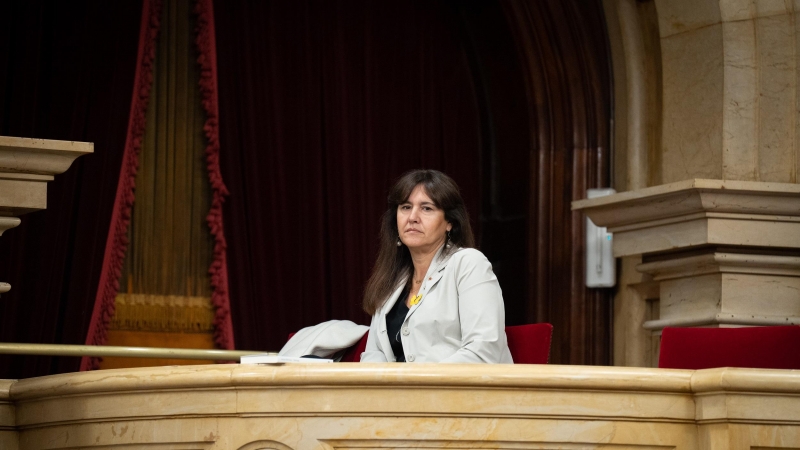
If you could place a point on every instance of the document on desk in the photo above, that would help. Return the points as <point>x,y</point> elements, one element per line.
<point>275,359</point>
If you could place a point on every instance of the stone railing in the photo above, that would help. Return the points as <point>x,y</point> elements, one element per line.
<point>350,406</point>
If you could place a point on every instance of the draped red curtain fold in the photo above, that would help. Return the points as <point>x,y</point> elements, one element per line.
<point>66,72</point>
<point>218,272</point>
<point>117,241</point>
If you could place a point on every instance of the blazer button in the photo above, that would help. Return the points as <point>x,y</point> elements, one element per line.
<point>405,331</point>
<point>410,358</point>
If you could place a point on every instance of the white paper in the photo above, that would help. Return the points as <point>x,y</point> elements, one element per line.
<point>276,359</point>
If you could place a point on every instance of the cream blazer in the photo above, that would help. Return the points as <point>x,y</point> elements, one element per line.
<point>460,319</point>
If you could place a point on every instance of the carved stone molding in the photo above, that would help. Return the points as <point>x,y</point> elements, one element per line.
<point>699,212</point>
<point>725,253</point>
<point>725,288</point>
<point>8,223</point>
<point>26,165</point>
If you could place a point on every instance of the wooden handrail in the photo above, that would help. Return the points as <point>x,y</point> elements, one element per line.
<point>127,352</point>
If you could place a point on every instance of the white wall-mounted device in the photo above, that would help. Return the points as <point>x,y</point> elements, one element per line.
<point>601,267</point>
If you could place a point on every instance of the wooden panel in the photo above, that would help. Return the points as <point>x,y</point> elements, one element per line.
<point>541,70</point>
<point>565,59</point>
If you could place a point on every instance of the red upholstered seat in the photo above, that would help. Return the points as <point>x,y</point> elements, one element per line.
<point>530,344</point>
<point>753,347</point>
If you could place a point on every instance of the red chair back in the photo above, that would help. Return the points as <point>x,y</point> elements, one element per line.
<point>530,344</point>
<point>353,354</point>
<point>754,347</point>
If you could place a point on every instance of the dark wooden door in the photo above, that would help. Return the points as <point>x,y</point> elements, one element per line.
<point>543,82</point>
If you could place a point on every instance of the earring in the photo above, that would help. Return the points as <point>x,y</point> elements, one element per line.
<point>398,242</point>
<point>448,245</point>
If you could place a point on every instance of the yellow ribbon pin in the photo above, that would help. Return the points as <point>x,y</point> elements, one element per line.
<point>415,299</point>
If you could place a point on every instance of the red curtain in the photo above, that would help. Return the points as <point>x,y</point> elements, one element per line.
<point>322,105</point>
<point>218,272</point>
<point>66,72</point>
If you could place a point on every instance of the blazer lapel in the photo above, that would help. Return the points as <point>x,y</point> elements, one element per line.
<point>433,276</point>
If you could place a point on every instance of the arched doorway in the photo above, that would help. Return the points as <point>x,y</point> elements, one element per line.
<point>543,79</point>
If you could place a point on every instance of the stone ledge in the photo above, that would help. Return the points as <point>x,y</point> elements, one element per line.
<point>346,405</point>
<point>26,165</point>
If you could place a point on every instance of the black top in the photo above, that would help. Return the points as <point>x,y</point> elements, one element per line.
<point>394,322</point>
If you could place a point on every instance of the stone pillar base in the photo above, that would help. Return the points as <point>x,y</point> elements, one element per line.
<point>724,287</point>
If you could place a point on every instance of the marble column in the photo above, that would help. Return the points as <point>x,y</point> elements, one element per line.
<point>730,90</point>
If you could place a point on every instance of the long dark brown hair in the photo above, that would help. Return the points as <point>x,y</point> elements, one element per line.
<point>394,263</point>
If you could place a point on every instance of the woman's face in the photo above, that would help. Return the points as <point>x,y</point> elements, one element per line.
<point>420,223</point>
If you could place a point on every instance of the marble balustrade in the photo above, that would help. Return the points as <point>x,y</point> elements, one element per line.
<point>371,406</point>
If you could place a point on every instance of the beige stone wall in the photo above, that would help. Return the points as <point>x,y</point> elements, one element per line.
<point>704,89</point>
<point>730,97</point>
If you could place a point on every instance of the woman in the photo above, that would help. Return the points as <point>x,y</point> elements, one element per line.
<point>432,297</point>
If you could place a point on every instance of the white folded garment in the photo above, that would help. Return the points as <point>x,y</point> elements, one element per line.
<point>325,339</point>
